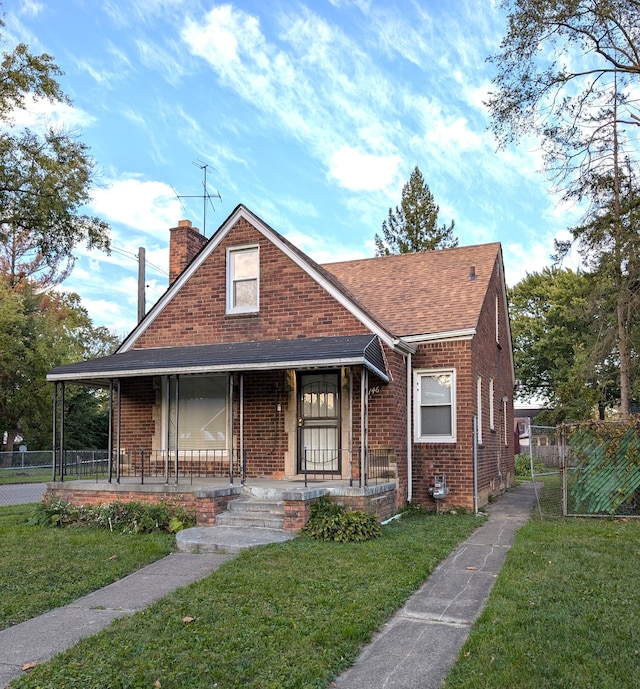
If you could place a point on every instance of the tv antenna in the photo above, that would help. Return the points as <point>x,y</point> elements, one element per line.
<point>205,196</point>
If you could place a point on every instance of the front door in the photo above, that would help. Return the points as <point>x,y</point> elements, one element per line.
<point>319,422</point>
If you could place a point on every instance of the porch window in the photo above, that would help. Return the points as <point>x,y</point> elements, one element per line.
<point>435,400</point>
<point>243,266</point>
<point>202,412</point>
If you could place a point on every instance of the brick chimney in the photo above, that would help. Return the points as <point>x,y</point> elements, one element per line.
<point>185,242</point>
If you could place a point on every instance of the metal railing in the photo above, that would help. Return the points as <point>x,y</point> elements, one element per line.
<point>76,463</point>
<point>183,464</point>
<point>323,465</point>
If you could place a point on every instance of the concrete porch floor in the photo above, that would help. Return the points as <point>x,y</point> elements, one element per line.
<point>263,488</point>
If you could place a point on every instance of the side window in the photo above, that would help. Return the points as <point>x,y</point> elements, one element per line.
<point>435,406</point>
<point>498,320</point>
<point>243,278</point>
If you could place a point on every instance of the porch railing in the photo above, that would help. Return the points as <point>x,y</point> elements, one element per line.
<point>322,465</point>
<point>184,464</point>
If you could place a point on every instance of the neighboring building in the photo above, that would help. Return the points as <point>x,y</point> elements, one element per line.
<point>259,361</point>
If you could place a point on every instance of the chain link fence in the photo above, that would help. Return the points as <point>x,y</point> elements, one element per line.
<point>541,460</point>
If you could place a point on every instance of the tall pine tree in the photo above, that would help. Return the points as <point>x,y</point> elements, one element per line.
<point>413,226</point>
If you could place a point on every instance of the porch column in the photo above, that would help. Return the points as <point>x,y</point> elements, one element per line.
<point>177,457</point>
<point>351,425</point>
<point>364,426</point>
<point>241,439</point>
<point>62,431</point>
<point>54,444</point>
<point>110,438</point>
<point>119,396</point>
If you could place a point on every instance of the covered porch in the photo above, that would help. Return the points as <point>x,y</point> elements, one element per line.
<point>295,410</point>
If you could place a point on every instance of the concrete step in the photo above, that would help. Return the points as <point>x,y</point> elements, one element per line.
<point>247,520</point>
<point>256,505</point>
<point>253,512</point>
<point>227,539</point>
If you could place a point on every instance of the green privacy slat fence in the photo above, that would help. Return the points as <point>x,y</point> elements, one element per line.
<point>605,468</point>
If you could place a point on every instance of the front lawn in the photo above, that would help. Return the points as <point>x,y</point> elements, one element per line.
<point>563,614</point>
<point>44,568</point>
<point>283,616</point>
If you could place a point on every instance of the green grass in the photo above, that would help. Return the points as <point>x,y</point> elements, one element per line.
<point>44,568</point>
<point>24,476</point>
<point>288,615</point>
<point>563,614</point>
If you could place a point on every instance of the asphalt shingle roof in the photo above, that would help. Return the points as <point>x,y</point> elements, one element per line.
<point>421,293</point>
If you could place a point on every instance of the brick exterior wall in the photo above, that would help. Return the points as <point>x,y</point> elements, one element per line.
<point>292,305</point>
<point>484,356</point>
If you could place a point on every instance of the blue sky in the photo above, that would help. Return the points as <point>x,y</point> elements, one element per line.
<point>313,114</point>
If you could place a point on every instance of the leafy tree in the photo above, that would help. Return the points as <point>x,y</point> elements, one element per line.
<point>45,178</point>
<point>567,73</point>
<point>38,332</point>
<point>413,226</point>
<point>554,331</point>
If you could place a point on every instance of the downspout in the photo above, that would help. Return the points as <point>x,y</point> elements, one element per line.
<point>475,465</point>
<point>409,439</point>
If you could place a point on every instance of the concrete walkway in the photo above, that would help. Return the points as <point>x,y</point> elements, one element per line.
<point>419,645</point>
<point>415,649</point>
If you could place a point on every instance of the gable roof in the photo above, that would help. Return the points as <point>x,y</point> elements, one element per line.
<point>422,293</point>
<point>323,277</point>
<point>400,298</point>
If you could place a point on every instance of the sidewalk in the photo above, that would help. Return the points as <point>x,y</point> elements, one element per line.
<point>414,649</point>
<point>421,642</point>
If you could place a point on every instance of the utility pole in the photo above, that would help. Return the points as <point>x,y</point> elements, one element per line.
<point>141,283</point>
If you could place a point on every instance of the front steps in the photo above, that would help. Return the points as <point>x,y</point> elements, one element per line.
<point>249,521</point>
<point>251,512</point>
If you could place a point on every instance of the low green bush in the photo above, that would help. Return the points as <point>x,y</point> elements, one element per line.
<point>332,522</point>
<point>123,517</point>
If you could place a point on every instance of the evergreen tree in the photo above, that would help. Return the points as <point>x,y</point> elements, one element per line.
<point>413,226</point>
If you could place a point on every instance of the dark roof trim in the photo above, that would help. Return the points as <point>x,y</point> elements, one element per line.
<point>349,350</point>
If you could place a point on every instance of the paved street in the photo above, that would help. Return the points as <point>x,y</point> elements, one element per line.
<point>21,493</point>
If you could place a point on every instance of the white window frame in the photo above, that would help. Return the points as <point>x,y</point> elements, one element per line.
<point>492,413</point>
<point>498,319</point>
<point>231,279</point>
<point>479,408</point>
<point>417,406</point>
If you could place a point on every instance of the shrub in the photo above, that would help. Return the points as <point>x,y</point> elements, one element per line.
<point>124,517</point>
<point>331,522</point>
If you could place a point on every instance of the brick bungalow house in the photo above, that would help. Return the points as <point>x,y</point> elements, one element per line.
<point>367,377</point>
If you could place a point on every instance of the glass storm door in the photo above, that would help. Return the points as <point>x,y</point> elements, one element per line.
<point>319,422</point>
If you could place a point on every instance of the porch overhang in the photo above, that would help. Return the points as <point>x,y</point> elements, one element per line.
<point>301,353</point>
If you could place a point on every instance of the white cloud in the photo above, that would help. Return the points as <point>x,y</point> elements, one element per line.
<point>146,206</point>
<point>40,113</point>
<point>357,171</point>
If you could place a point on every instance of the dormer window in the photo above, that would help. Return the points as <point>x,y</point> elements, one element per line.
<point>243,278</point>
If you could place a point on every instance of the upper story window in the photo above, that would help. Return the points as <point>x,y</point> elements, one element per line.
<point>435,406</point>
<point>243,279</point>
